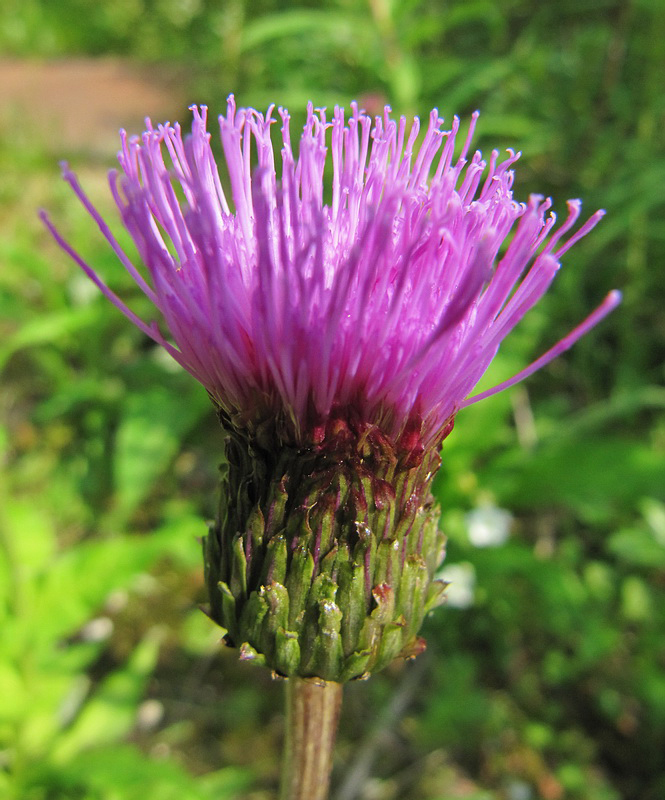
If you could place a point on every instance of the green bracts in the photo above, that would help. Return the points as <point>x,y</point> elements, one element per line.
<point>321,561</point>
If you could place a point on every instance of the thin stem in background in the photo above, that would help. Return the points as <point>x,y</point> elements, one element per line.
<point>359,770</point>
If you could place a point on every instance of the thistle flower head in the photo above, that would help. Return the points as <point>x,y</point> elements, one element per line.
<point>382,294</point>
<point>338,331</point>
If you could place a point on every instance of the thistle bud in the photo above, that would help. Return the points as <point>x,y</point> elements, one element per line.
<point>322,560</point>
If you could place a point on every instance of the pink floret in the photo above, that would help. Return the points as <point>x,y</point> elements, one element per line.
<point>388,291</point>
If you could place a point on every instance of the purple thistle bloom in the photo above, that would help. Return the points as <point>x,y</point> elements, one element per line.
<point>338,341</point>
<point>391,299</point>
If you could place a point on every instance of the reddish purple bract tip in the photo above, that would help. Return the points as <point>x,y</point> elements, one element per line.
<point>387,292</point>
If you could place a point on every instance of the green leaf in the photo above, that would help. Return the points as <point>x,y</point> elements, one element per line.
<point>125,773</point>
<point>31,533</point>
<point>596,476</point>
<point>268,27</point>
<point>148,438</point>
<point>637,547</point>
<point>110,714</point>
<point>45,329</point>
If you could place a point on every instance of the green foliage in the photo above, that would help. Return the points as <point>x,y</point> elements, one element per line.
<point>62,724</point>
<point>550,685</point>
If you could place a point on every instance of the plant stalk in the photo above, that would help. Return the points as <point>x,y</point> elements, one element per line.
<point>312,713</point>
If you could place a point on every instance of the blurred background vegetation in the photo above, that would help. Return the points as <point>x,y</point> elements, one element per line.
<point>545,675</point>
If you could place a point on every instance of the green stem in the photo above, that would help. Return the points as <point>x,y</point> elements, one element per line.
<point>312,713</point>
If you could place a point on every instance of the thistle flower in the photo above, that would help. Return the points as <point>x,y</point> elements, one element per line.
<point>338,336</point>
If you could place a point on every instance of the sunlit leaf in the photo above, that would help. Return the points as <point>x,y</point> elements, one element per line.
<point>149,437</point>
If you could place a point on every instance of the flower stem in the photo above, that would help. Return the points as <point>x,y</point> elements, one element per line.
<point>312,712</point>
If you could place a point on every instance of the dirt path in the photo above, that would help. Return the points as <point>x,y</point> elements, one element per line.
<point>79,104</point>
